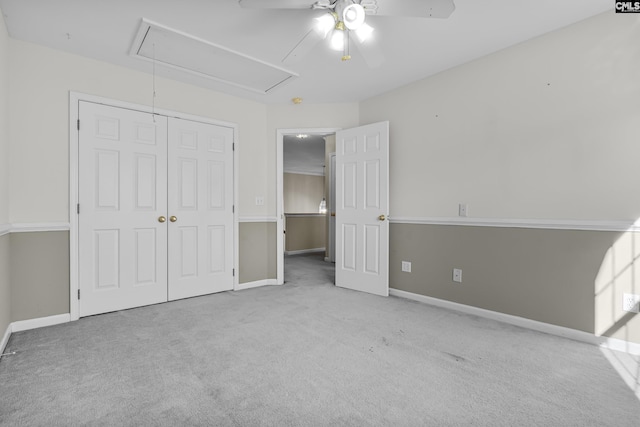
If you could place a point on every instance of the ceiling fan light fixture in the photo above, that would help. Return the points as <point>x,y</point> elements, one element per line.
<point>364,32</point>
<point>353,16</point>
<point>324,24</point>
<point>337,40</point>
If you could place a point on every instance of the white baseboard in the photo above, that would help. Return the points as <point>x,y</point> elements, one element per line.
<point>5,339</point>
<point>586,337</point>
<point>304,251</point>
<point>619,345</point>
<point>24,325</point>
<point>256,284</point>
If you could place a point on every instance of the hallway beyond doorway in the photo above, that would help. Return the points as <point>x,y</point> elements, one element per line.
<point>308,269</point>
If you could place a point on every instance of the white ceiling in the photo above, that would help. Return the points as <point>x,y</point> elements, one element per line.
<point>414,48</point>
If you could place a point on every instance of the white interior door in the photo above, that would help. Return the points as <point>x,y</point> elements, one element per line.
<point>362,207</point>
<point>332,208</point>
<point>200,208</point>
<point>122,194</point>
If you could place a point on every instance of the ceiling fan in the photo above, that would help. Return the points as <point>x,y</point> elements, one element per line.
<point>344,22</point>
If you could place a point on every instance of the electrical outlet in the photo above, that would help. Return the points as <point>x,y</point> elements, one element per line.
<point>631,303</point>
<point>462,209</point>
<point>406,266</point>
<point>259,201</point>
<point>457,275</point>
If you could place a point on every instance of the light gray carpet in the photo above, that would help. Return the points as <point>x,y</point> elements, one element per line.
<point>305,354</point>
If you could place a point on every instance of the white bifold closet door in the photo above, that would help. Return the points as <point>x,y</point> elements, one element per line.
<point>200,208</point>
<point>156,208</point>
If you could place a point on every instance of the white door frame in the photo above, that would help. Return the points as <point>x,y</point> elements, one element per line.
<point>280,189</point>
<point>74,99</point>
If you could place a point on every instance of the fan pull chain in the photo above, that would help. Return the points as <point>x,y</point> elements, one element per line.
<point>346,53</point>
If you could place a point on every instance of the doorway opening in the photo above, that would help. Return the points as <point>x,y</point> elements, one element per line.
<point>304,200</point>
<point>362,208</point>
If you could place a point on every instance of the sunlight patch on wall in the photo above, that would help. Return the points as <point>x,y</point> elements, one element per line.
<point>619,275</point>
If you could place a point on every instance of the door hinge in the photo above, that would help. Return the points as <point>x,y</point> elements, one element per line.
<point>234,272</point>
<point>233,146</point>
<point>233,208</point>
<point>78,124</point>
<point>78,208</point>
<point>78,293</point>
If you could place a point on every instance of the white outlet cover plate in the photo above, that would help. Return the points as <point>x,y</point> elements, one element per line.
<point>457,275</point>
<point>406,266</point>
<point>631,303</point>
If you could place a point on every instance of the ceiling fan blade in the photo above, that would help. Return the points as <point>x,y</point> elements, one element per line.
<point>304,46</point>
<point>277,4</point>
<point>370,52</point>
<point>419,8</point>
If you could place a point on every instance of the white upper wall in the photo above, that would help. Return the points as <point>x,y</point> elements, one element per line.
<point>41,79</point>
<point>547,129</point>
<point>4,122</point>
<point>302,193</point>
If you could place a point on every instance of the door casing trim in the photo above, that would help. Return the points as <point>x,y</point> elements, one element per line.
<point>280,134</point>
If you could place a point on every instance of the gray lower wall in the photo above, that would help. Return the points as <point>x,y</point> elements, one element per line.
<point>574,279</point>
<point>34,269</point>
<point>257,251</point>
<point>5,285</point>
<point>39,274</point>
<point>561,277</point>
<point>305,232</point>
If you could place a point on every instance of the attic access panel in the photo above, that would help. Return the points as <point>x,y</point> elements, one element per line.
<point>182,51</point>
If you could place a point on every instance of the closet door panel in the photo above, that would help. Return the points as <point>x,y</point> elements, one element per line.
<point>200,200</point>
<point>122,192</point>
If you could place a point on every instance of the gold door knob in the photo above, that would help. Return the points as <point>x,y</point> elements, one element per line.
<point>382,218</point>
<point>162,219</point>
<point>173,218</point>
